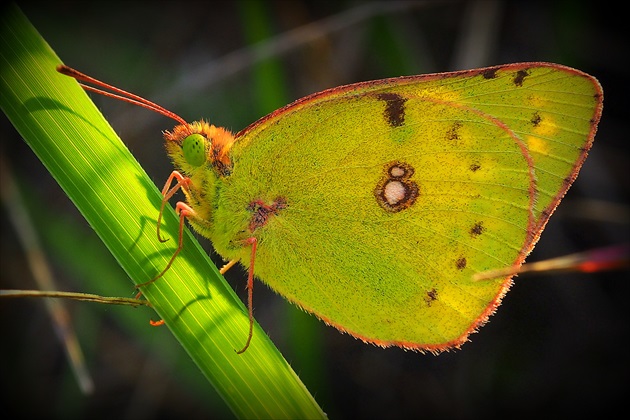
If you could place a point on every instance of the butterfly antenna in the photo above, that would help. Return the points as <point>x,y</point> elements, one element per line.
<point>120,94</point>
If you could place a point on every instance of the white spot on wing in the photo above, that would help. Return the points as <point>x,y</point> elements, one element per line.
<point>394,192</point>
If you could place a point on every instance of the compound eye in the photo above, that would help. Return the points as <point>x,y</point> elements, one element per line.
<point>194,148</point>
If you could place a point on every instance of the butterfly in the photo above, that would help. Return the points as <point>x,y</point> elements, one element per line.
<point>372,205</point>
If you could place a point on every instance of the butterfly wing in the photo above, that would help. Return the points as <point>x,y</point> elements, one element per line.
<point>375,203</point>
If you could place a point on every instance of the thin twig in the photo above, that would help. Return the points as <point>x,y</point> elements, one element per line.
<point>74,295</point>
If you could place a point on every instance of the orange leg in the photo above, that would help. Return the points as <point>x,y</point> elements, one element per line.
<point>250,293</point>
<point>184,211</point>
<point>168,192</point>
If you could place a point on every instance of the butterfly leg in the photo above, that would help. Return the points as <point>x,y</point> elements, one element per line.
<point>184,211</point>
<point>250,293</point>
<point>227,266</point>
<point>168,192</point>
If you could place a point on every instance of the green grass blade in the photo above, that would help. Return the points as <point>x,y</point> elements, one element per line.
<point>95,169</point>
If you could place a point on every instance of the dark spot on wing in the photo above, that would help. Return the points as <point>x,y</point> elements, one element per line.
<point>453,132</point>
<point>261,212</point>
<point>490,73</point>
<point>394,112</point>
<point>536,119</point>
<point>477,229</point>
<point>520,76</point>
<point>431,296</point>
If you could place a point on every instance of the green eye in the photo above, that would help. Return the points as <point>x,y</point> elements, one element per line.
<point>194,148</point>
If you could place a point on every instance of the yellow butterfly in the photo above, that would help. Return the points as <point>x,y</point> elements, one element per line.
<point>372,205</point>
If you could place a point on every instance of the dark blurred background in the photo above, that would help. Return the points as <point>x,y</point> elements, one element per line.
<point>555,347</point>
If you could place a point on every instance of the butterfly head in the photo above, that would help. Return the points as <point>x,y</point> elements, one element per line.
<point>200,145</point>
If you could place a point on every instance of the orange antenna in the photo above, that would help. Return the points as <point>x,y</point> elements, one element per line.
<point>120,94</point>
